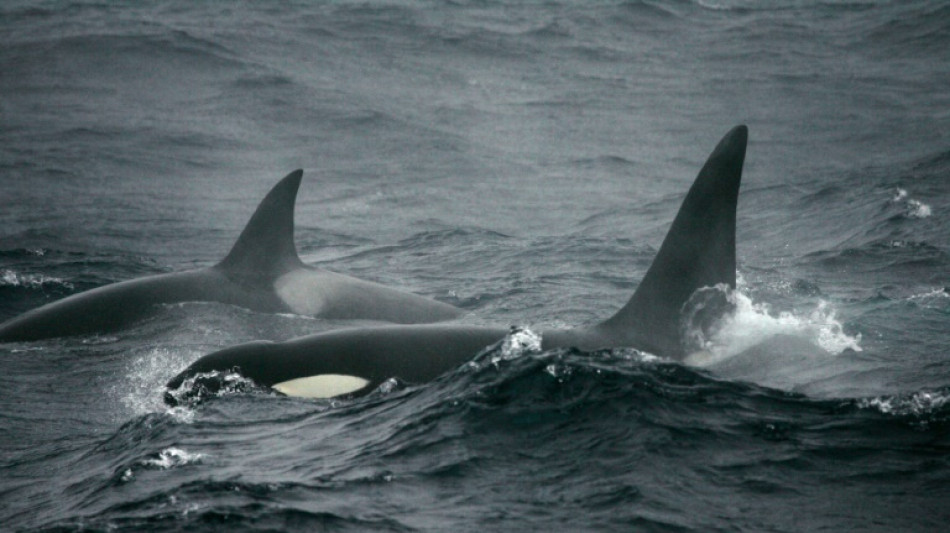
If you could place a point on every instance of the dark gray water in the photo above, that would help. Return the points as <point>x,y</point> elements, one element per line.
<point>523,161</point>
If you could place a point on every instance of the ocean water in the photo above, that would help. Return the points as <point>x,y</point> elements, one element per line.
<point>522,160</point>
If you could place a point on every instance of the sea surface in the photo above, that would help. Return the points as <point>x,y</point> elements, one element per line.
<point>522,160</point>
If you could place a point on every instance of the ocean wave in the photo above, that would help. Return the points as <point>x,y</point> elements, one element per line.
<point>913,28</point>
<point>154,42</point>
<point>454,236</point>
<point>260,81</point>
<point>923,410</point>
<point>883,255</point>
<point>11,278</point>
<point>252,506</point>
<point>933,167</point>
<point>166,459</point>
<point>915,404</point>
<point>935,298</point>
<point>21,253</point>
<point>660,10</point>
<point>611,163</point>
<point>520,404</point>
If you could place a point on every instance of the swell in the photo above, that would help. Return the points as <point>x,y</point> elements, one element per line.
<point>891,219</point>
<point>148,43</point>
<point>598,435</point>
<point>602,432</point>
<point>912,29</point>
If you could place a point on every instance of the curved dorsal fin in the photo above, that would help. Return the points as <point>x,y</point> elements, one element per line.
<point>699,251</point>
<point>266,247</point>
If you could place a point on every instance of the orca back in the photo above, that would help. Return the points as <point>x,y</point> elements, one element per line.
<point>699,251</point>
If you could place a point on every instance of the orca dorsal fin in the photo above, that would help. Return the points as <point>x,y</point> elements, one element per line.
<point>699,251</point>
<point>265,249</point>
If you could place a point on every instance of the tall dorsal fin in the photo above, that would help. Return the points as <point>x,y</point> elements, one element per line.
<point>266,247</point>
<point>699,251</point>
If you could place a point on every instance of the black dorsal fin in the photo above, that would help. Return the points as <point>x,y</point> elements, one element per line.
<point>699,251</point>
<point>266,249</point>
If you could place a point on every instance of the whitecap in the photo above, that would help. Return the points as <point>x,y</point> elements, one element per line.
<point>918,209</point>
<point>11,278</point>
<point>172,457</point>
<point>913,208</point>
<point>753,323</point>
<point>933,299</point>
<point>920,403</point>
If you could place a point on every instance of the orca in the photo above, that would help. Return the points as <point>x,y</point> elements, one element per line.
<point>699,251</point>
<point>262,272</point>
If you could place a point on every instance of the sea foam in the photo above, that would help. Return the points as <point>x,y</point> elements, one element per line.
<point>752,323</point>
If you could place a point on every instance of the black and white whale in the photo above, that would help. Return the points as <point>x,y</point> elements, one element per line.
<point>262,272</point>
<point>699,251</point>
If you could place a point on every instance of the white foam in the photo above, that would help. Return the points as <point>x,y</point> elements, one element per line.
<point>918,209</point>
<point>933,299</point>
<point>754,323</point>
<point>914,208</point>
<point>517,343</point>
<point>11,278</point>
<point>916,404</point>
<point>173,457</point>
<point>388,386</point>
<point>166,459</point>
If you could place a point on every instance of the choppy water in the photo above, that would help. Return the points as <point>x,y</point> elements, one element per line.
<point>523,161</point>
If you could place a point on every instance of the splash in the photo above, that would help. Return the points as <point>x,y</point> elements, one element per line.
<point>518,342</point>
<point>171,458</point>
<point>214,384</point>
<point>141,390</point>
<point>753,323</point>
<point>913,208</point>
<point>917,209</point>
<point>389,386</point>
